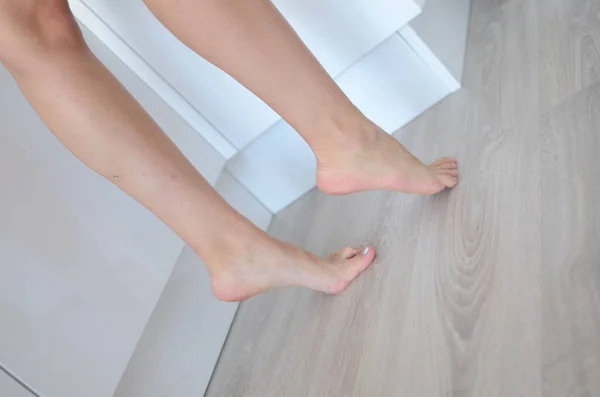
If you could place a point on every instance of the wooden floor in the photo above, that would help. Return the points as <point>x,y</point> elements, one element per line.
<point>492,289</point>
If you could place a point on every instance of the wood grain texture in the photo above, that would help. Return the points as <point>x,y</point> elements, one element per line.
<point>491,289</point>
<point>570,246</point>
<point>570,47</point>
<point>482,6</point>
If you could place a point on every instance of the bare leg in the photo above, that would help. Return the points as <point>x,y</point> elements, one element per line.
<point>92,115</point>
<point>352,153</point>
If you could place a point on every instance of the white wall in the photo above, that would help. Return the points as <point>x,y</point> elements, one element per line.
<point>82,265</point>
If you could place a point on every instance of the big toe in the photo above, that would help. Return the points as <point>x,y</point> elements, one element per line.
<point>448,178</point>
<point>348,263</point>
<point>349,252</point>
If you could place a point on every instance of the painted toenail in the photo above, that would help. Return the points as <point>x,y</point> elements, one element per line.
<point>366,250</point>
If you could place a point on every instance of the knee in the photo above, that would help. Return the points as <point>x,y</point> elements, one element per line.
<point>34,31</point>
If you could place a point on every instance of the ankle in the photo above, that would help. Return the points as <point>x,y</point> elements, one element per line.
<point>347,136</point>
<point>245,267</point>
<point>224,251</point>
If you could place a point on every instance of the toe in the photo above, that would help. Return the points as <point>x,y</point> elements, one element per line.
<point>447,179</point>
<point>453,173</point>
<point>446,166</point>
<point>346,253</point>
<point>348,269</point>
<point>445,161</point>
<point>361,259</point>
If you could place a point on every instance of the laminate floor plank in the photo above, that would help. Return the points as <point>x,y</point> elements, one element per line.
<point>502,66</point>
<point>285,324</point>
<point>482,6</point>
<point>570,246</point>
<point>570,48</point>
<point>490,289</point>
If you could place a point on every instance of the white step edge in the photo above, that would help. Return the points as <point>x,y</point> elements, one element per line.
<point>181,344</point>
<point>96,25</point>
<point>391,85</point>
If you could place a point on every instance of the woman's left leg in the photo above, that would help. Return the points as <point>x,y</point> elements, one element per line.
<point>95,118</point>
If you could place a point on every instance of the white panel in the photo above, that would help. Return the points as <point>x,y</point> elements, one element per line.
<point>277,168</point>
<point>242,200</point>
<point>391,85</point>
<point>182,342</point>
<point>230,107</point>
<point>11,388</point>
<point>148,75</point>
<point>202,155</point>
<point>442,28</point>
<point>339,33</point>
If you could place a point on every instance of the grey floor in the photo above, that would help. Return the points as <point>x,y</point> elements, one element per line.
<point>492,289</point>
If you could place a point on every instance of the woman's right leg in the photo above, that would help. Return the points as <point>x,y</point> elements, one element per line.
<point>250,40</point>
<point>96,118</point>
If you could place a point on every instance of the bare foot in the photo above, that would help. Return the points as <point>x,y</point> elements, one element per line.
<point>265,263</point>
<point>380,162</point>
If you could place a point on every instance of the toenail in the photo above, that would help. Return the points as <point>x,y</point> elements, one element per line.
<point>366,250</point>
